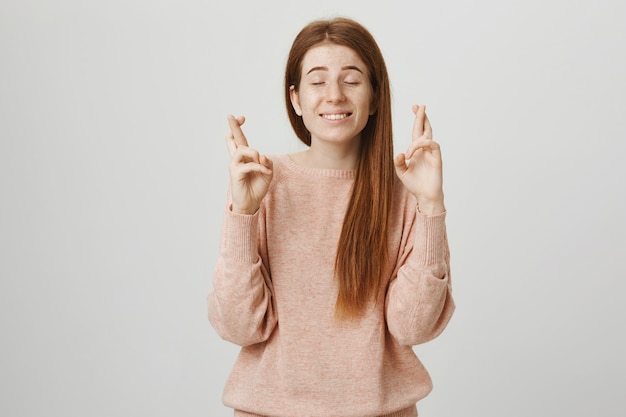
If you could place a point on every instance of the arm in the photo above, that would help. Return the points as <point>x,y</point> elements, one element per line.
<point>419,301</point>
<point>241,305</point>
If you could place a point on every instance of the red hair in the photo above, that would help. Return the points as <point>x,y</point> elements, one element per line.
<point>362,249</point>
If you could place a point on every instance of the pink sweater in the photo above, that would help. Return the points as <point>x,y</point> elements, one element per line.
<point>274,294</point>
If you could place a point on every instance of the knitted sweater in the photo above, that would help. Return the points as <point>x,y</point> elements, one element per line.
<point>274,294</point>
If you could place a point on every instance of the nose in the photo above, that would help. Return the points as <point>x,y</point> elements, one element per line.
<point>334,93</point>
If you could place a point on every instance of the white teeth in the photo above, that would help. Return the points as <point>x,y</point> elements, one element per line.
<point>334,116</point>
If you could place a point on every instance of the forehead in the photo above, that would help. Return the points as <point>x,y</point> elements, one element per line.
<point>332,56</point>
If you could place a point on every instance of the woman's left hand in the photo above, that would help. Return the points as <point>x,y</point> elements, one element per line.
<point>420,167</point>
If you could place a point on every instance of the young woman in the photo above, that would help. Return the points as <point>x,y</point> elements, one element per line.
<point>334,261</point>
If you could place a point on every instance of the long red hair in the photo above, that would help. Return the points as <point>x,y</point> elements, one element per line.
<point>362,248</point>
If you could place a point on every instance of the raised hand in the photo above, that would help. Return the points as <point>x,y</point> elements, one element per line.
<point>250,172</point>
<point>420,167</point>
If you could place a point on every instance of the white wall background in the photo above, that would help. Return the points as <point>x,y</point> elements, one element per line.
<point>113,171</point>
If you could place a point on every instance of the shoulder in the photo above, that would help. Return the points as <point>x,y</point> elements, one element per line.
<point>280,167</point>
<point>285,175</point>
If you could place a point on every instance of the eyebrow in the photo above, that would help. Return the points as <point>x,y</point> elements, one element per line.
<point>347,67</point>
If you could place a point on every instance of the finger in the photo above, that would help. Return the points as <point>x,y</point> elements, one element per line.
<point>231,145</point>
<point>265,161</point>
<point>247,160</point>
<point>251,167</point>
<point>428,130</point>
<point>424,144</point>
<point>245,154</point>
<point>230,139</point>
<point>235,129</point>
<point>418,124</point>
<point>240,120</point>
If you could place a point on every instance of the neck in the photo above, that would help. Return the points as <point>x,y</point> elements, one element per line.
<point>330,156</point>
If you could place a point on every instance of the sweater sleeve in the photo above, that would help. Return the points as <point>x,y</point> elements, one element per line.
<point>241,304</point>
<point>419,301</point>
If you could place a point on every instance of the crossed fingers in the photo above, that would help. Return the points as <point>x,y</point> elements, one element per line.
<point>422,133</point>
<point>235,137</point>
<point>247,159</point>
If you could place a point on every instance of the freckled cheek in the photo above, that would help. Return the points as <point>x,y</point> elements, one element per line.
<point>310,106</point>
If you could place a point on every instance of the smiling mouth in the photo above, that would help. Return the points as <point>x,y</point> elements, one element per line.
<point>336,116</point>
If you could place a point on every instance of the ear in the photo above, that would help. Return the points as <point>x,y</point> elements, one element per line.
<point>295,100</point>
<point>373,104</point>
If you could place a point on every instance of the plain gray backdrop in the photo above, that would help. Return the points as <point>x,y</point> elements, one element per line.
<point>113,171</point>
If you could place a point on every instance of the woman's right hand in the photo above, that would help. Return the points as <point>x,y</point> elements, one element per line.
<point>250,172</point>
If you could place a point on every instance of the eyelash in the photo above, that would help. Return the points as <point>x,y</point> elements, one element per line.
<point>346,82</point>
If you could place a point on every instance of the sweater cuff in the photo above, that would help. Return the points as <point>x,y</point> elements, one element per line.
<point>430,238</point>
<point>241,240</point>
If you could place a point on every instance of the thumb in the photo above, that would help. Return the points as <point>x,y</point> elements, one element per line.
<point>400,164</point>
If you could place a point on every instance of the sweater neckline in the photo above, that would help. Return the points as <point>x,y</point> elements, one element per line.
<point>317,172</point>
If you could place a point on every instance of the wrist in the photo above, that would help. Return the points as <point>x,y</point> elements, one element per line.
<point>243,210</point>
<point>430,207</point>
